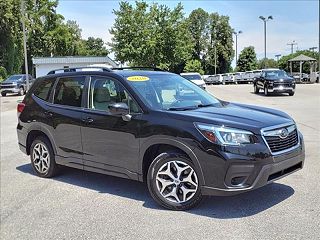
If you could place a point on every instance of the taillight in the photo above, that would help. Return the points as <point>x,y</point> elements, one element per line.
<point>20,107</point>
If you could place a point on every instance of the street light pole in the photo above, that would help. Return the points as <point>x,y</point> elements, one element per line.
<point>236,34</point>
<point>265,20</point>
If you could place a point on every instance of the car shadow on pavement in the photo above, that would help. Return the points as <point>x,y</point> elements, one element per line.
<point>242,205</point>
<point>261,94</point>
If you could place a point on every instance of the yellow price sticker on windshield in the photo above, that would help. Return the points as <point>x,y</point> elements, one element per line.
<point>137,78</point>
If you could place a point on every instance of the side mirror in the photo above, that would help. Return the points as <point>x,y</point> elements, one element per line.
<point>118,109</point>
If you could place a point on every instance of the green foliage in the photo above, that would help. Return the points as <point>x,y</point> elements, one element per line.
<point>283,61</point>
<point>247,60</point>
<point>194,66</point>
<point>267,63</point>
<point>93,47</point>
<point>151,35</point>
<point>198,24</point>
<point>3,73</point>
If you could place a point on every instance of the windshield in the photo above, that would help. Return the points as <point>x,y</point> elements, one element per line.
<point>276,74</point>
<point>192,77</point>
<point>15,78</point>
<point>171,92</point>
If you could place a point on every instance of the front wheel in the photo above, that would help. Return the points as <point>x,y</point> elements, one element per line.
<point>291,93</point>
<point>3,94</point>
<point>173,182</point>
<point>21,91</point>
<point>255,89</point>
<point>266,91</point>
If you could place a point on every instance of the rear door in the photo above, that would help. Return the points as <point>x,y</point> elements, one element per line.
<point>66,115</point>
<point>110,144</point>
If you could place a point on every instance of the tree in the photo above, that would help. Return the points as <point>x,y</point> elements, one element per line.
<point>220,46</point>
<point>283,61</point>
<point>151,36</point>
<point>198,22</point>
<point>247,60</point>
<point>3,73</point>
<point>267,63</point>
<point>194,66</point>
<point>94,47</point>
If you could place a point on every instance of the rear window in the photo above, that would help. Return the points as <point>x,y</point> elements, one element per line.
<point>44,88</point>
<point>69,91</point>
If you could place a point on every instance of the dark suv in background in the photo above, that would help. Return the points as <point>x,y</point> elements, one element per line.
<point>155,127</point>
<point>274,81</point>
<point>15,84</point>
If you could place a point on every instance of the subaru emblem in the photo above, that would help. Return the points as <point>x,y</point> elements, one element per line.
<point>284,133</point>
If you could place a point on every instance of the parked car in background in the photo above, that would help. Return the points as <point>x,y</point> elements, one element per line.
<point>274,81</point>
<point>238,77</point>
<point>227,78</point>
<point>206,79</point>
<point>15,84</point>
<point>303,78</point>
<point>247,76</point>
<point>195,78</point>
<point>141,125</point>
<point>216,79</point>
<point>256,73</point>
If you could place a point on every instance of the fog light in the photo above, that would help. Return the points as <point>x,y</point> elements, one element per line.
<point>236,181</point>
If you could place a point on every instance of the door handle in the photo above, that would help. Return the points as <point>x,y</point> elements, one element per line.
<point>87,120</point>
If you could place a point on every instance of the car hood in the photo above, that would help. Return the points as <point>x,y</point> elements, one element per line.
<point>241,116</point>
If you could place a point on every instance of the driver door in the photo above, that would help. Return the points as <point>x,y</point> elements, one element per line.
<point>110,144</point>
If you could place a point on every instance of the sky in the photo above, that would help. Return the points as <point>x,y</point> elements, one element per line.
<point>292,21</point>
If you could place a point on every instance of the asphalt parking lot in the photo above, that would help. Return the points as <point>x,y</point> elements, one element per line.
<point>83,205</point>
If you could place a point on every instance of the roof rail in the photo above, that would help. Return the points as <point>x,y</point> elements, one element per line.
<point>77,69</point>
<point>139,68</point>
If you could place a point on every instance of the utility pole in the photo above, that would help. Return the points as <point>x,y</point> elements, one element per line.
<point>215,58</point>
<point>265,20</point>
<point>278,56</point>
<point>236,34</point>
<point>293,43</point>
<point>24,43</point>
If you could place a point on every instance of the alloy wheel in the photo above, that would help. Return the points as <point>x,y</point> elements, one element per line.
<point>41,158</point>
<point>177,181</point>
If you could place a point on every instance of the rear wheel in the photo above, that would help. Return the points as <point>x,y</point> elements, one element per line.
<point>173,182</point>
<point>42,158</point>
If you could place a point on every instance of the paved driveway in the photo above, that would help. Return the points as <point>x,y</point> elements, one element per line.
<point>83,205</point>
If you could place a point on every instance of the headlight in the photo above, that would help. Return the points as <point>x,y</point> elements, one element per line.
<point>225,136</point>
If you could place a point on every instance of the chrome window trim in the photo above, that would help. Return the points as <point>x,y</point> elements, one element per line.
<point>266,129</point>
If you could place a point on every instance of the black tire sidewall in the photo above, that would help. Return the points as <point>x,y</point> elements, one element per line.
<point>52,166</point>
<point>265,91</point>
<point>151,182</point>
<point>21,91</point>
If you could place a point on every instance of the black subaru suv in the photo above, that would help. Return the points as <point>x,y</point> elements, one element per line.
<point>274,81</point>
<point>155,127</point>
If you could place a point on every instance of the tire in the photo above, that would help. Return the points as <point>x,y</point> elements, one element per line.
<point>266,92</point>
<point>223,83</point>
<point>291,93</point>
<point>256,89</point>
<point>3,94</point>
<point>179,193</point>
<point>21,91</point>
<point>40,149</point>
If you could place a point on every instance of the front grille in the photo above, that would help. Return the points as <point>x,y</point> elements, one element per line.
<point>282,84</point>
<point>278,144</point>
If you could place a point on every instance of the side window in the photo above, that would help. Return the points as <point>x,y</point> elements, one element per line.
<point>44,88</point>
<point>69,91</point>
<point>104,91</point>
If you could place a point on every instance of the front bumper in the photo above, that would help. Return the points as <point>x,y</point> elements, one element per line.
<point>281,88</point>
<point>232,173</point>
<point>9,90</point>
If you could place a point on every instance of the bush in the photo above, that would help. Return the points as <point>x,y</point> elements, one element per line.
<point>3,73</point>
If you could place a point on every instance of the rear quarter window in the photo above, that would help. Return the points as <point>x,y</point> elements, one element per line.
<point>43,88</point>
